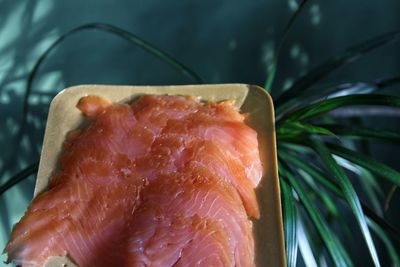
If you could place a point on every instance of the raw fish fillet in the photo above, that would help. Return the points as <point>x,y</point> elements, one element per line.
<point>165,181</point>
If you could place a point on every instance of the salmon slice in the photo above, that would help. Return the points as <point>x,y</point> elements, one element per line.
<point>208,248</point>
<point>155,111</point>
<point>77,220</point>
<point>217,149</point>
<point>217,122</point>
<point>163,241</point>
<point>172,152</point>
<point>237,138</point>
<point>224,165</point>
<point>165,181</point>
<point>196,193</point>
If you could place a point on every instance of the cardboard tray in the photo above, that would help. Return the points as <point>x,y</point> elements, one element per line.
<point>268,230</point>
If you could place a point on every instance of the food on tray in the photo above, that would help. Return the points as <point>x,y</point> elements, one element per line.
<point>165,181</point>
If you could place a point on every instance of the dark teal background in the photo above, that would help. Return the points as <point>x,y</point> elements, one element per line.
<point>222,41</point>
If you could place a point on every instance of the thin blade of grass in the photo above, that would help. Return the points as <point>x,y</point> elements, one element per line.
<point>349,194</point>
<point>305,246</point>
<point>119,32</point>
<point>299,128</point>
<point>373,198</point>
<point>271,70</point>
<point>321,71</point>
<point>325,106</point>
<point>309,173</point>
<point>334,90</point>
<point>333,186</point>
<point>366,175</point>
<point>367,181</point>
<point>390,196</point>
<point>22,175</point>
<point>312,171</point>
<point>298,147</point>
<point>358,132</point>
<point>333,245</point>
<point>394,256</point>
<point>323,92</point>
<point>320,192</point>
<point>290,224</point>
<point>366,162</point>
<point>329,201</point>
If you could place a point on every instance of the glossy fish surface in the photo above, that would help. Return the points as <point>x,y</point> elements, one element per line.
<point>164,181</point>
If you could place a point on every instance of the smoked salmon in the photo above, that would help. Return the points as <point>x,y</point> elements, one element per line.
<point>164,181</point>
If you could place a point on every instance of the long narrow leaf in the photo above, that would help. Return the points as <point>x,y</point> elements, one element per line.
<point>25,173</point>
<point>290,224</point>
<point>329,91</point>
<point>393,253</point>
<point>367,181</point>
<point>367,163</point>
<point>334,188</point>
<point>119,32</point>
<point>320,192</point>
<point>333,245</point>
<point>325,106</point>
<point>299,128</point>
<point>334,63</point>
<point>305,246</point>
<point>373,198</point>
<point>359,132</point>
<point>350,195</point>
<point>389,196</point>
<point>309,173</point>
<point>312,171</point>
<point>326,91</point>
<point>272,67</point>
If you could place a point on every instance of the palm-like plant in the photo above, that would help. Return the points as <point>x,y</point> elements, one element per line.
<point>313,158</point>
<point>315,152</point>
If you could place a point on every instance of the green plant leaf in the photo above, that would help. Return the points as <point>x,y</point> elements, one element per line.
<point>334,90</point>
<point>367,184</point>
<point>311,174</point>
<point>25,173</point>
<point>367,181</point>
<point>367,163</point>
<point>295,128</point>
<point>312,171</point>
<point>321,71</point>
<point>307,245</point>
<point>390,195</point>
<point>290,224</point>
<point>333,245</point>
<point>325,106</point>
<point>358,132</point>
<point>272,67</point>
<point>320,192</point>
<point>119,32</point>
<point>385,239</point>
<point>349,194</point>
<point>333,186</point>
<point>326,91</point>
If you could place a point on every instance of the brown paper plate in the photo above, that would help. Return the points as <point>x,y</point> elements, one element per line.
<point>268,230</point>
